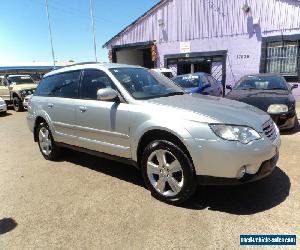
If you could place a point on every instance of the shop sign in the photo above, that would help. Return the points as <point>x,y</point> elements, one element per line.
<point>185,47</point>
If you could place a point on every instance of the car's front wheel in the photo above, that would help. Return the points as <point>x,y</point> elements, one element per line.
<point>46,143</point>
<point>168,172</point>
<point>18,105</point>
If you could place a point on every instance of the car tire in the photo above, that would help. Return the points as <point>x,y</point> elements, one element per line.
<point>47,145</point>
<point>160,176</point>
<point>18,105</point>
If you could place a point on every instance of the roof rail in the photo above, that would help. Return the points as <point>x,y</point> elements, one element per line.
<point>81,63</point>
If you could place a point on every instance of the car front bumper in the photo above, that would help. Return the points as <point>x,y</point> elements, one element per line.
<point>285,120</point>
<point>266,168</point>
<point>219,158</point>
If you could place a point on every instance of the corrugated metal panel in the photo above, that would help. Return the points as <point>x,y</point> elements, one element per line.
<point>196,19</point>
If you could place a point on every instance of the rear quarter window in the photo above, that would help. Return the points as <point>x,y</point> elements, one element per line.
<point>45,86</point>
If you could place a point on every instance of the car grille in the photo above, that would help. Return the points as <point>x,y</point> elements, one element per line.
<point>270,130</point>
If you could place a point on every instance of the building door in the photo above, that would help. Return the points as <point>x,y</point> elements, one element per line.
<point>183,68</point>
<point>202,67</point>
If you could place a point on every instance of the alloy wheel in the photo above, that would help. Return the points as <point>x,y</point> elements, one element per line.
<point>45,141</point>
<point>165,173</point>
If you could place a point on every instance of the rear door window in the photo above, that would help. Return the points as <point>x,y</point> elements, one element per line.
<point>46,86</point>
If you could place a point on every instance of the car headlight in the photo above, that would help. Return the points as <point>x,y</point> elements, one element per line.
<point>277,108</point>
<point>23,93</point>
<point>242,134</point>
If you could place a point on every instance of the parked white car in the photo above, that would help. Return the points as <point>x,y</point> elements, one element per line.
<point>3,107</point>
<point>166,72</point>
<point>26,100</point>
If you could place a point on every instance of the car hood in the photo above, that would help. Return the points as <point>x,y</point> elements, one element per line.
<point>191,90</point>
<point>24,86</point>
<point>218,109</point>
<point>262,99</point>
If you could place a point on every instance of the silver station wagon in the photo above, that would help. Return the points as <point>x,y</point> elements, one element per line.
<point>137,116</point>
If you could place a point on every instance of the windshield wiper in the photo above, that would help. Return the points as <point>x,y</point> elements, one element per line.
<point>276,89</point>
<point>173,93</point>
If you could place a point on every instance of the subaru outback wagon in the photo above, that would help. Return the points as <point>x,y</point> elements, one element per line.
<point>135,115</point>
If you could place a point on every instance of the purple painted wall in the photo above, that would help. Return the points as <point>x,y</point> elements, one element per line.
<point>212,25</point>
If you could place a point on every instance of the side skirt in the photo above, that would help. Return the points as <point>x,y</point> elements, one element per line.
<point>99,154</point>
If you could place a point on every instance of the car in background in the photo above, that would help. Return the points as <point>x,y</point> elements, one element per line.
<point>270,93</point>
<point>136,115</point>
<point>164,71</point>
<point>15,88</point>
<point>3,107</point>
<point>26,101</point>
<point>201,83</point>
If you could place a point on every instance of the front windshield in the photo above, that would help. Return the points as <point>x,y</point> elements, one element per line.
<point>145,84</point>
<point>190,81</point>
<point>262,83</point>
<point>20,80</point>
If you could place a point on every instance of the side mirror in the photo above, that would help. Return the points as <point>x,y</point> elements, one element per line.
<point>294,86</point>
<point>229,87</point>
<point>107,94</point>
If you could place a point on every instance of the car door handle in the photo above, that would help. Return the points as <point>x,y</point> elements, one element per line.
<point>82,109</point>
<point>50,105</point>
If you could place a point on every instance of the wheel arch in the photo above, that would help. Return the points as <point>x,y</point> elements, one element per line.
<point>15,94</point>
<point>38,121</point>
<point>159,134</point>
<point>41,117</point>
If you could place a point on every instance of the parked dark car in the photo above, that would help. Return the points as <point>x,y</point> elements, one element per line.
<point>201,83</point>
<point>270,93</point>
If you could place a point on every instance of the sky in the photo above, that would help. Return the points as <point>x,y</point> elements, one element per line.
<point>24,34</point>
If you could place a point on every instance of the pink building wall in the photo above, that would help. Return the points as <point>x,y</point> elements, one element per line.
<point>216,25</point>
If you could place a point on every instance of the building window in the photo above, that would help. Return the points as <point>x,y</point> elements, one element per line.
<point>282,57</point>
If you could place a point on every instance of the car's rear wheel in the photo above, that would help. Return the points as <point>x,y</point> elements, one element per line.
<point>168,172</point>
<point>47,145</point>
<point>18,105</point>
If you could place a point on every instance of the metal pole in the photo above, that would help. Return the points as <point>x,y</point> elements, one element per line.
<point>93,28</point>
<point>50,32</point>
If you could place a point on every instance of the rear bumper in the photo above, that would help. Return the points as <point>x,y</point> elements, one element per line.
<point>266,168</point>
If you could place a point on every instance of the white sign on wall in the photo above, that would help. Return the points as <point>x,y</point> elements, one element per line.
<point>185,47</point>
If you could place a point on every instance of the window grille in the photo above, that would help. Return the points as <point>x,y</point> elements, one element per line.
<point>282,57</point>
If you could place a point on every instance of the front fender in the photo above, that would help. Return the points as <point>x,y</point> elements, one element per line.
<point>174,128</point>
